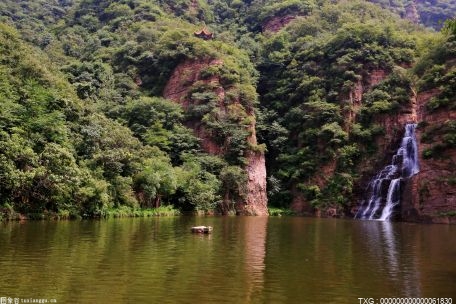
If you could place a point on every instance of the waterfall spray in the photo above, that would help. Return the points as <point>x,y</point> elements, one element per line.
<point>403,166</point>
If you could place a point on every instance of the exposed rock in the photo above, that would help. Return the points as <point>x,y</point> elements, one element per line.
<point>201,229</point>
<point>430,194</point>
<point>256,203</point>
<point>276,23</point>
<point>411,12</point>
<point>326,172</point>
<point>392,124</point>
<point>194,6</point>
<point>355,97</point>
<point>375,77</point>
<point>331,212</point>
<point>177,89</point>
<point>184,76</point>
<point>427,196</point>
<point>300,205</point>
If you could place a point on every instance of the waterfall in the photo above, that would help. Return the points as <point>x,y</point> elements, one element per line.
<point>384,189</point>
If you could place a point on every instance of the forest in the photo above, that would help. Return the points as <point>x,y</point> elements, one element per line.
<point>116,108</point>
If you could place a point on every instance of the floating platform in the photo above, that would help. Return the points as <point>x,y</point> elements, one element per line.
<point>202,229</point>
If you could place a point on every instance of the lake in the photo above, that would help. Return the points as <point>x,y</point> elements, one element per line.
<point>245,260</point>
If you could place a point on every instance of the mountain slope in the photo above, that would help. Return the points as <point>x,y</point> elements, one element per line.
<point>316,92</point>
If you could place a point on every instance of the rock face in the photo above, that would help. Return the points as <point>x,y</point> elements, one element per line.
<point>430,194</point>
<point>299,203</point>
<point>276,23</point>
<point>256,203</point>
<point>375,77</point>
<point>387,144</point>
<point>355,97</point>
<point>184,76</point>
<point>177,89</point>
<point>411,12</point>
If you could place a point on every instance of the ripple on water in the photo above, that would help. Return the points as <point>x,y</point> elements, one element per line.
<point>245,260</point>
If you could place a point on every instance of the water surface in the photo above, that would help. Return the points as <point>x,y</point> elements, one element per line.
<point>245,260</point>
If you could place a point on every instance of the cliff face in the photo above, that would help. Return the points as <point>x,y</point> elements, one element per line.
<point>411,12</point>
<point>426,197</point>
<point>430,195</point>
<point>256,202</point>
<point>179,87</point>
<point>392,124</point>
<point>387,146</point>
<point>299,203</point>
<point>276,23</point>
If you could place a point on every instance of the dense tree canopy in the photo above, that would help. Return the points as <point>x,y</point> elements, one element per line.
<point>84,127</point>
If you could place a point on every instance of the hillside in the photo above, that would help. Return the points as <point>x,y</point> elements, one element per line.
<point>432,190</point>
<point>156,158</point>
<point>429,13</point>
<point>291,104</point>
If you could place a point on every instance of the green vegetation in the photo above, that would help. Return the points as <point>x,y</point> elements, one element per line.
<point>108,141</point>
<point>448,213</point>
<point>310,71</point>
<point>8,213</point>
<point>430,13</point>
<point>442,137</point>
<point>450,26</point>
<point>437,73</point>
<point>60,154</point>
<point>437,70</point>
<point>85,130</point>
<point>279,211</point>
<point>125,211</point>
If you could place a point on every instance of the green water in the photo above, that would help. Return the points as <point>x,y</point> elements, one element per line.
<point>245,260</point>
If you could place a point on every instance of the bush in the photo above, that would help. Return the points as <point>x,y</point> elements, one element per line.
<point>273,211</point>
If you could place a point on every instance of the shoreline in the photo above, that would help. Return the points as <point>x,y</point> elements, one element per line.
<point>169,211</point>
<point>122,212</point>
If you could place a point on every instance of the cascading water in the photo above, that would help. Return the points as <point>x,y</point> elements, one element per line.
<point>388,181</point>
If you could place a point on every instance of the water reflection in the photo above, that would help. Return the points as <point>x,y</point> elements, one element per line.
<point>245,260</point>
<point>385,243</point>
<point>388,239</point>
<point>255,252</point>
